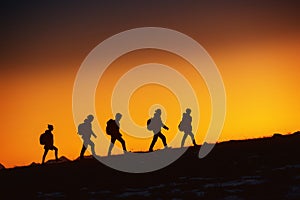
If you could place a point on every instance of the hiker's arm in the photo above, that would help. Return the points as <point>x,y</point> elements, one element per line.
<point>95,136</point>
<point>165,127</point>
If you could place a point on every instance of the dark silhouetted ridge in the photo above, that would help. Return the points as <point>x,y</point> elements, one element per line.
<point>1,166</point>
<point>62,159</point>
<point>246,169</point>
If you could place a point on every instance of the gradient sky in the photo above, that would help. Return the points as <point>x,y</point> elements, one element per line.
<point>255,45</point>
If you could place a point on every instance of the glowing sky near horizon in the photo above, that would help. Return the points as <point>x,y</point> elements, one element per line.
<point>255,45</point>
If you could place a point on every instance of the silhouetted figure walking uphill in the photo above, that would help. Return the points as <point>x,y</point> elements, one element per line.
<point>85,130</point>
<point>113,129</point>
<point>155,124</point>
<point>186,126</point>
<point>47,140</point>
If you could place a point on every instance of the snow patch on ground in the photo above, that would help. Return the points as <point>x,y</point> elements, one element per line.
<point>134,193</point>
<point>50,195</point>
<point>241,182</point>
<point>287,167</point>
<point>293,192</point>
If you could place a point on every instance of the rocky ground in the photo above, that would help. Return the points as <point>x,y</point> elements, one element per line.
<point>266,168</point>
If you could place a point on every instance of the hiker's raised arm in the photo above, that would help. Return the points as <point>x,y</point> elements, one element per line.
<point>95,136</point>
<point>165,127</point>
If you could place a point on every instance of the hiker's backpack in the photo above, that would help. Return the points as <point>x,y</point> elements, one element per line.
<point>149,125</point>
<point>43,139</point>
<point>81,129</point>
<point>109,126</point>
<point>180,126</point>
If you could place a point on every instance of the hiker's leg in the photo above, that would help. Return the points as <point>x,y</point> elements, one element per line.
<point>193,138</point>
<point>44,156</point>
<point>112,142</point>
<point>82,151</point>
<point>55,152</point>
<point>153,142</point>
<point>123,143</point>
<point>183,139</point>
<point>163,138</point>
<point>92,148</point>
<point>191,135</point>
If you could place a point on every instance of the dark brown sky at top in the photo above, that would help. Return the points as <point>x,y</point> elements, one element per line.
<point>40,34</point>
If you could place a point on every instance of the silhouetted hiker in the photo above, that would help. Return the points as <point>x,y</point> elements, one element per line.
<point>47,140</point>
<point>155,124</point>
<point>85,130</point>
<point>113,129</point>
<point>186,126</point>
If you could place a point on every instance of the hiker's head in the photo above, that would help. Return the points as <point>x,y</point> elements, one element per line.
<point>90,118</point>
<point>188,111</point>
<point>157,112</point>
<point>50,127</point>
<point>118,116</point>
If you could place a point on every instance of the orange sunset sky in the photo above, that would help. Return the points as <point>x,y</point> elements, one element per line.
<point>255,45</point>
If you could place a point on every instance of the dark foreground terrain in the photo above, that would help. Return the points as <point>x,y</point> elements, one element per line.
<point>267,168</point>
